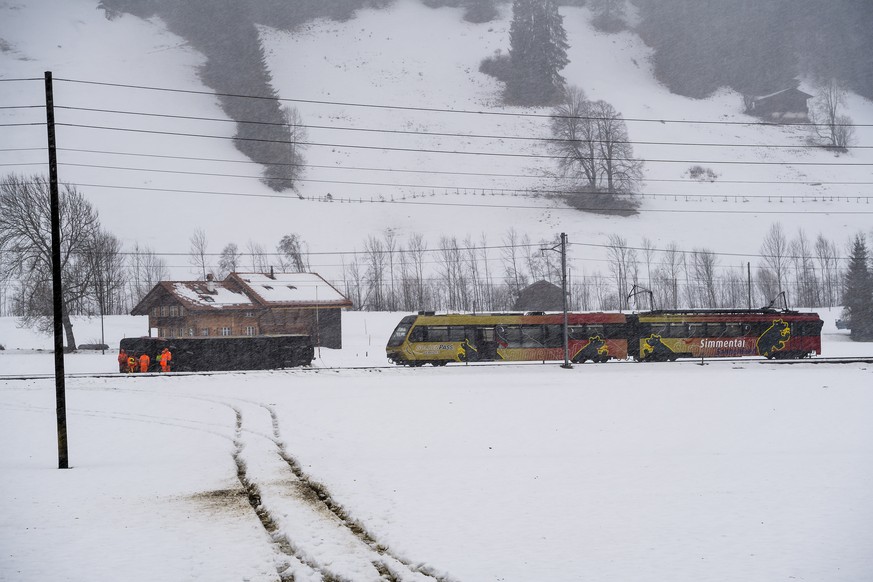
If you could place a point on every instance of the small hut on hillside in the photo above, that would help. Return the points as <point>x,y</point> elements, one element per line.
<point>785,106</point>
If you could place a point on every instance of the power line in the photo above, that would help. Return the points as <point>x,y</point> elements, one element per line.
<point>433,109</point>
<point>449,134</point>
<point>484,174</point>
<point>337,200</point>
<point>456,188</point>
<point>456,152</point>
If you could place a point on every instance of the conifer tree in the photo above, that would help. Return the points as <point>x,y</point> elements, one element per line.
<point>858,292</point>
<point>537,52</point>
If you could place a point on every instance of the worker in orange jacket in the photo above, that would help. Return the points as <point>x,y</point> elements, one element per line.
<point>131,364</point>
<point>122,360</point>
<point>166,357</point>
<point>144,362</point>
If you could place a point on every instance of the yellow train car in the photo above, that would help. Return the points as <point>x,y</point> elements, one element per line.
<point>428,338</point>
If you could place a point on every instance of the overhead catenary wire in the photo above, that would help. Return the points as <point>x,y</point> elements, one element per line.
<point>335,200</point>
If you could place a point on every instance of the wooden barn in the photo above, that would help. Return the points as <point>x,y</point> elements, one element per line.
<point>786,106</point>
<point>539,296</point>
<point>247,304</point>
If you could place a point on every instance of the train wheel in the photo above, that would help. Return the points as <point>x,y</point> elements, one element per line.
<point>439,363</point>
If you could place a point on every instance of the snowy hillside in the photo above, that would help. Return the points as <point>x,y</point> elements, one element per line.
<point>373,92</point>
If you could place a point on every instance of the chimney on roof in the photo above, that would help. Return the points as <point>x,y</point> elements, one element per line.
<point>210,283</point>
<point>272,276</point>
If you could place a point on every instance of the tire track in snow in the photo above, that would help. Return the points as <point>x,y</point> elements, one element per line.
<point>304,520</point>
<point>387,562</point>
<point>296,566</point>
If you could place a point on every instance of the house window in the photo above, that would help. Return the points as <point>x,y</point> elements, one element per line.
<point>164,310</point>
<point>156,311</point>
<point>204,331</point>
<point>181,332</point>
<point>225,331</point>
<point>250,330</point>
<point>190,331</point>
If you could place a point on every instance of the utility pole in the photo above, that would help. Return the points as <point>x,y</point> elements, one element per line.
<point>57,291</point>
<point>562,248</point>
<point>749,280</point>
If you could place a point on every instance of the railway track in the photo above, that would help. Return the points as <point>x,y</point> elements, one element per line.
<point>455,366</point>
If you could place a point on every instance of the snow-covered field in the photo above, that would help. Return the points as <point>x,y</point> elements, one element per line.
<point>608,472</point>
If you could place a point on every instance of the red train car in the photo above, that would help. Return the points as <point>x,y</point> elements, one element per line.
<point>668,335</point>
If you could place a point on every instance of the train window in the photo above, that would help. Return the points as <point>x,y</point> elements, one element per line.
<point>511,335</point>
<point>554,337</point>
<point>437,333</point>
<point>615,330</point>
<point>486,334</point>
<point>456,333</point>
<point>595,330</point>
<point>715,329</point>
<point>576,332</point>
<point>696,330</point>
<point>677,330</point>
<point>531,336</point>
<point>733,330</point>
<point>417,334</point>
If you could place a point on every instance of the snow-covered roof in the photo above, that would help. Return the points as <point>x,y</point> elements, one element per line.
<point>214,295</point>
<point>290,288</point>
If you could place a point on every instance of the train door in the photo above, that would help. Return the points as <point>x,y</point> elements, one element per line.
<point>486,344</point>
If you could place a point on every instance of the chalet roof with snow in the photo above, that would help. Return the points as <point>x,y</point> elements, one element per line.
<point>195,296</point>
<point>246,291</point>
<point>290,289</point>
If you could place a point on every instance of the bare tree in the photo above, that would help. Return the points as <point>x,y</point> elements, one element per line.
<point>827,255</point>
<point>292,254</point>
<point>298,136</point>
<point>668,277</point>
<point>417,250</point>
<point>110,276</point>
<point>512,266</point>
<point>623,265</point>
<point>145,270</point>
<point>375,274</point>
<point>197,253</point>
<point>594,152</point>
<point>25,249</point>
<point>229,260</point>
<point>829,125</point>
<point>807,287</point>
<point>619,170</point>
<point>775,257</point>
<point>575,134</point>
<point>705,264</point>
<point>258,259</point>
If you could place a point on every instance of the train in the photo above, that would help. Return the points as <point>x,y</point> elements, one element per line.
<point>204,354</point>
<point>658,335</point>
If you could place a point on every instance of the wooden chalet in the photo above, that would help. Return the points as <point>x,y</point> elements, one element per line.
<point>786,106</point>
<point>247,304</point>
